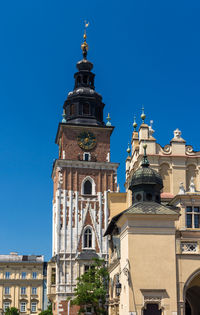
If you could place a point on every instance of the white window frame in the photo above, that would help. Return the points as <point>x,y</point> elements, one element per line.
<point>23,275</point>
<point>34,275</point>
<point>93,237</point>
<point>93,185</point>
<point>192,213</point>
<point>89,156</point>
<point>23,307</point>
<point>7,290</point>
<point>7,275</point>
<point>34,290</point>
<point>23,290</point>
<point>33,309</point>
<point>6,305</point>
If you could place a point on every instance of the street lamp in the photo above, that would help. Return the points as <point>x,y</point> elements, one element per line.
<point>118,287</point>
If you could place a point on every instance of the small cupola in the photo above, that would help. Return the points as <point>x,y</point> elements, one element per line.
<point>146,183</point>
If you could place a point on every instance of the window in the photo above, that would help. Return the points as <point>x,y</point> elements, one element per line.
<point>23,307</point>
<point>23,290</point>
<point>7,275</point>
<point>72,109</point>
<point>33,307</point>
<point>86,268</point>
<point>34,275</point>
<point>23,275</point>
<point>86,156</point>
<point>53,276</point>
<point>87,190</point>
<point>86,109</point>
<point>7,290</point>
<point>34,290</point>
<point>88,238</point>
<point>193,217</point>
<point>6,305</point>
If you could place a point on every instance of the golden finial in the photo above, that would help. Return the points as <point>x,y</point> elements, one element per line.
<point>128,150</point>
<point>134,124</point>
<point>143,116</point>
<point>84,46</point>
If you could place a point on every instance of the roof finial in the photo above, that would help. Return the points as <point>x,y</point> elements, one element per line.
<point>145,162</point>
<point>134,123</point>
<point>128,150</point>
<point>84,46</point>
<point>143,116</point>
<point>108,120</point>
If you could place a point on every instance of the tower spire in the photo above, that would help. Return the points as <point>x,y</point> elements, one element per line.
<point>84,45</point>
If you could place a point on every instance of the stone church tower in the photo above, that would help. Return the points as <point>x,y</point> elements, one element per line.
<point>82,176</point>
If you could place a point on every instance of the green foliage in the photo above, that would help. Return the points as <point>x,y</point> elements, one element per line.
<point>12,311</point>
<point>48,311</point>
<point>92,288</point>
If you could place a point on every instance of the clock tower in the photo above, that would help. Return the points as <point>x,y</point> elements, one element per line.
<point>82,176</point>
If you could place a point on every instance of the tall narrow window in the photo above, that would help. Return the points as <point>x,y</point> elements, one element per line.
<point>87,188</point>
<point>23,307</point>
<point>6,305</point>
<point>34,275</point>
<point>86,109</point>
<point>72,109</point>
<point>88,238</point>
<point>33,307</point>
<point>7,275</point>
<point>23,290</point>
<point>7,290</point>
<point>23,275</point>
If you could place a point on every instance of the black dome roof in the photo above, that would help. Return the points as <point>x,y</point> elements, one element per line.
<point>146,176</point>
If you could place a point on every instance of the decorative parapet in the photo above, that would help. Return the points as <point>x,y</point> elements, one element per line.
<point>167,149</point>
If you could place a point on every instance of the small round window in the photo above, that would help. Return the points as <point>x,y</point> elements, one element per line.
<point>138,197</point>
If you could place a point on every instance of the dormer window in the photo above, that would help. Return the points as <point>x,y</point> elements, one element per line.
<point>193,217</point>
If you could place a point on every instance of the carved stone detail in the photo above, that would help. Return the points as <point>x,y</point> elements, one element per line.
<point>167,149</point>
<point>189,247</point>
<point>189,150</point>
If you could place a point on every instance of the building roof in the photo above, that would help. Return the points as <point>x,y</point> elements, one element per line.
<point>143,208</point>
<point>15,258</point>
<point>87,255</point>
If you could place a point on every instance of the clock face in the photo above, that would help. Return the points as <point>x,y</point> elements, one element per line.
<point>87,140</point>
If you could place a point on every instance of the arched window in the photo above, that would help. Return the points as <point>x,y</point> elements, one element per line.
<point>165,173</point>
<point>88,238</point>
<point>87,188</point>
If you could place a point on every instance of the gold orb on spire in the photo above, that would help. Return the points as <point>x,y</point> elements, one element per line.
<point>143,116</point>
<point>84,45</point>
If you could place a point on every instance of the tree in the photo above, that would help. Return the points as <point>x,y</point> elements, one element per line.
<point>48,311</point>
<point>92,288</point>
<point>12,311</point>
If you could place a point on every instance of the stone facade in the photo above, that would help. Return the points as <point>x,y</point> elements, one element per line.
<point>23,283</point>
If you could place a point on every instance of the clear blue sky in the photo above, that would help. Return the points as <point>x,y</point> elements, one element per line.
<point>144,52</point>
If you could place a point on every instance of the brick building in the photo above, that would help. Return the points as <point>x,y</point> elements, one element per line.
<point>82,176</point>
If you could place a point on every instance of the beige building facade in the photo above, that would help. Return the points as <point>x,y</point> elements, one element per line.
<point>154,245</point>
<point>22,283</point>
